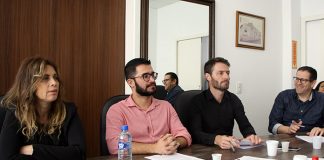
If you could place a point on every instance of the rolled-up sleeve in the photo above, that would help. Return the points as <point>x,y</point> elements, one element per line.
<point>177,129</point>
<point>114,120</point>
<point>276,114</point>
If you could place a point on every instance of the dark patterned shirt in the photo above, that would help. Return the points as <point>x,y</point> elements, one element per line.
<point>287,107</point>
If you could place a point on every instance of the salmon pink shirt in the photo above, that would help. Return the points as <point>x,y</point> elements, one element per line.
<point>145,126</point>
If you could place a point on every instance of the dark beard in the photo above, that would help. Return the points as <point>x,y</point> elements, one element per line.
<point>141,91</point>
<point>219,87</point>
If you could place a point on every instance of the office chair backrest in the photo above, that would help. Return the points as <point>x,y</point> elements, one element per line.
<point>103,144</point>
<point>160,92</point>
<point>183,104</point>
<point>3,112</point>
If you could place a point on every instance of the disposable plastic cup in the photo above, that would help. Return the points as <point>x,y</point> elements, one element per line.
<point>317,142</point>
<point>285,146</point>
<point>217,156</point>
<point>300,157</point>
<point>272,146</point>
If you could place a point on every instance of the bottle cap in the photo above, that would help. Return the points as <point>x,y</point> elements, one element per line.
<point>124,127</point>
<point>314,157</point>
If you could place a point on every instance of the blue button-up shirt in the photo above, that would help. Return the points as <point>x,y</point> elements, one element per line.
<point>287,107</point>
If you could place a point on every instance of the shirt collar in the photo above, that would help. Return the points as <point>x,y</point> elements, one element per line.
<point>129,102</point>
<point>210,96</point>
<point>173,88</point>
<point>311,97</point>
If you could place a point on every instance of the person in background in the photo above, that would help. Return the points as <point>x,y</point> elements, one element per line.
<point>215,110</point>
<point>154,125</point>
<point>320,87</point>
<point>171,86</point>
<point>300,109</point>
<point>38,124</point>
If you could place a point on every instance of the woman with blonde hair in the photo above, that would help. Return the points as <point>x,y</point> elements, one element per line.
<point>38,124</point>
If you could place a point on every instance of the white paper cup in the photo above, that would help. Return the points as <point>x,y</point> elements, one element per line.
<point>285,146</point>
<point>300,157</point>
<point>272,147</point>
<point>317,142</point>
<point>217,156</point>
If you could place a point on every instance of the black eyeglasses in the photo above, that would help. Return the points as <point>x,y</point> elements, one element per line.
<point>146,76</point>
<point>301,80</point>
<point>165,80</point>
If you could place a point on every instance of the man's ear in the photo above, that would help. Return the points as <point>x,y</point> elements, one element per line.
<point>207,76</point>
<point>131,82</point>
<point>313,83</point>
<point>173,81</point>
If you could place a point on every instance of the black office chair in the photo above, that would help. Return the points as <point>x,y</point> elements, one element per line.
<point>103,144</point>
<point>160,92</point>
<point>182,106</point>
<point>3,112</point>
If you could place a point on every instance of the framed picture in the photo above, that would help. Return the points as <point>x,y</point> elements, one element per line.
<point>250,30</point>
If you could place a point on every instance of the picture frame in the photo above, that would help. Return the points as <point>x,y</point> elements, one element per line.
<point>250,31</point>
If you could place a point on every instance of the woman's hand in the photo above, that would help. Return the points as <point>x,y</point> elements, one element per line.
<point>26,150</point>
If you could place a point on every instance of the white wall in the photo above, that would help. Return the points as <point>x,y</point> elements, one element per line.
<point>261,72</point>
<point>311,7</point>
<point>296,26</point>
<point>152,44</point>
<point>132,33</point>
<point>312,10</point>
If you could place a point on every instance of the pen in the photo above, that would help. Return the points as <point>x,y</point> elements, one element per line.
<point>297,121</point>
<point>232,147</point>
<point>301,126</point>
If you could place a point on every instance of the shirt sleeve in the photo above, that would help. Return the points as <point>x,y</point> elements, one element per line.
<point>244,125</point>
<point>199,136</point>
<point>10,139</point>
<point>173,95</point>
<point>276,114</point>
<point>114,120</point>
<point>176,127</point>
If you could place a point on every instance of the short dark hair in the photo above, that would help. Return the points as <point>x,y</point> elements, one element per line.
<point>310,70</point>
<point>130,68</point>
<point>318,86</point>
<point>173,76</point>
<point>210,63</point>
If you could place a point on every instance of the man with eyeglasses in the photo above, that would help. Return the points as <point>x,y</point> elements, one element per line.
<point>154,125</point>
<point>300,109</point>
<point>171,85</point>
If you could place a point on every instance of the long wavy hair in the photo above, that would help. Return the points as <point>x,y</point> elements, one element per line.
<point>22,97</point>
<point>318,86</point>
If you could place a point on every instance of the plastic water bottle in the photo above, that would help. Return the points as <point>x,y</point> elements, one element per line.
<point>124,144</point>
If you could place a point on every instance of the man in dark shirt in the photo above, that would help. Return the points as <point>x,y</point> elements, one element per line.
<point>215,109</point>
<point>300,109</point>
<point>171,85</point>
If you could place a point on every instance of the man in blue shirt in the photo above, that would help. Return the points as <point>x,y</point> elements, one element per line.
<point>172,87</point>
<point>300,109</point>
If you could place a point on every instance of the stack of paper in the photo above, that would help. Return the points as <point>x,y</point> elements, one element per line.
<point>246,144</point>
<point>308,139</point>
<point>253,158</point>
<point>176,156</point>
